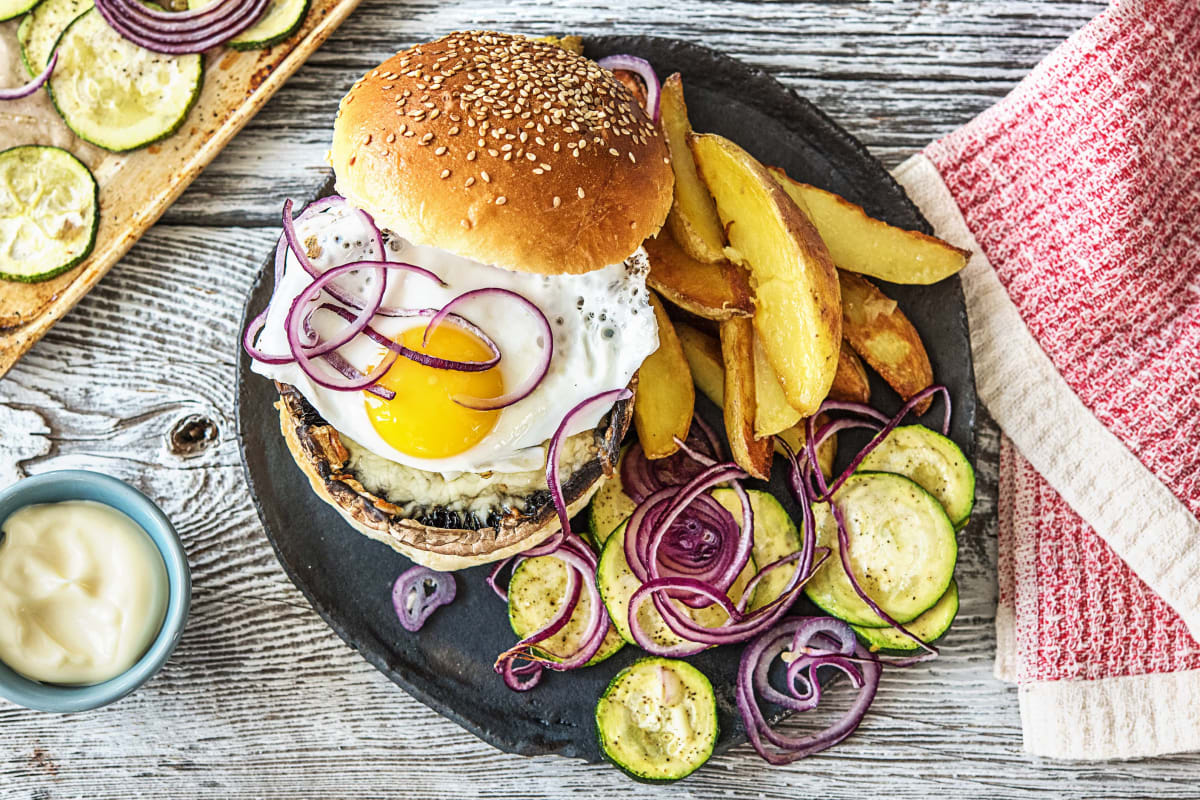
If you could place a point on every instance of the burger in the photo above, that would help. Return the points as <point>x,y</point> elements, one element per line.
<point>472,295</point>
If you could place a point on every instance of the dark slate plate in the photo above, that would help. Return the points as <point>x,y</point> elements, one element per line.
<point>448,665</point>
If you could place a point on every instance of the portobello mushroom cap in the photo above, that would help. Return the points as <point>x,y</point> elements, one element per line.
<point>439,538</point>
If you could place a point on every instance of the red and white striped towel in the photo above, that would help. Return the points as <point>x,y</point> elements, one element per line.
<point>1079,193</point>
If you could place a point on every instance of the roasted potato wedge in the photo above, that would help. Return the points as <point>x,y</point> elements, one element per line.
<point>850,384</point>
<point>796,297</point>
<point>860,243</point>
<point>713,291</point>
<point>772,413</point>
<point>662,408</point>
<point>572,43</point>
<point>703,354</point>
<point>737,353</point>
<point>693,218</point>
<point>879,332</point>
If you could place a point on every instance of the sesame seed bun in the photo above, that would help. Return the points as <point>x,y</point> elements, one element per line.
<point>504,150</point>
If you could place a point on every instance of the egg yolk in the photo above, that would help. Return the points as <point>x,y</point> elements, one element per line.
<point>423,420</point>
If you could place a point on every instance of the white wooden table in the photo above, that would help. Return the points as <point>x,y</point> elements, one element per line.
<point>261,699</point>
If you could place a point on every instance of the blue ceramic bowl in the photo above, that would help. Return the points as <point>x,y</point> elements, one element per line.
<point>75,484</point>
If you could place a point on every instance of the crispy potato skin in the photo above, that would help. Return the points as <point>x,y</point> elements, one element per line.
<point>737,351</point>
<point>796,294</point>
<point>708,371</point>
<point>850,384</point>
<point>572,43</point>
<point>666,398</point>
<point>703,353</point>
<point>713,291</point>
<point>860,243</point>
<point>879,332</point>
<point>693,219</point>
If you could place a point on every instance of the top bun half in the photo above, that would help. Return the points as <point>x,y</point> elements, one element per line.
<point>504,150</point>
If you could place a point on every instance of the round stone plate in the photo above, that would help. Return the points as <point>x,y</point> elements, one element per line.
<point>448,664</point>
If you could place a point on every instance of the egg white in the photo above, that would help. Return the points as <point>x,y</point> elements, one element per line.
<point>602,322</point>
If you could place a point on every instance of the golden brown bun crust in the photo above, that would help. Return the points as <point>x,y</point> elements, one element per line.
<point>320,454</point>
<point>504,150</point>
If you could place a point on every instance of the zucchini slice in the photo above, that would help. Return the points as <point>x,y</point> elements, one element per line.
<point>617,584</point>
<point>41,28</point>
<point>15,8</point>
<point>535,593</point>
<point>936,464</point>
<point>775,536</point>
<point>902,550</point>
<point>281,19</point>
<point>49,212</point>
<point>929,626</point>
<point>115,94</point>
<point>610,506</point>
<point>657,720</point>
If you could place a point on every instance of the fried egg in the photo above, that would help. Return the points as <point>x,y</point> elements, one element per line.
<point>603,328</point>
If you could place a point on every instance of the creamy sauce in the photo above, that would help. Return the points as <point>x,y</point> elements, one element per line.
<point>83,592</point>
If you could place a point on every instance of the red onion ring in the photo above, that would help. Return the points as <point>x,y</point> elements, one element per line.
<point>526,387</point>
<point>610,397</point>
<point>581,577</point>
<point>414,600</point>
<point>33,85</point>
<point>181,32</point>
<point>423,358</point>
<point>257,324</point>
<point>645,71</point>
<point>641,477</point>
<point>863,670</point>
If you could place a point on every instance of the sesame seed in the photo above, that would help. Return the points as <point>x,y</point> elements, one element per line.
<point>471,156</point>
<point>470,182</point>
<point>441,151</point>
<point>557,201</point>
<point>486,178</point>
<point>445,174</point>
<point>391,137</point>
<point>501,200</point>
<point>580,192</point>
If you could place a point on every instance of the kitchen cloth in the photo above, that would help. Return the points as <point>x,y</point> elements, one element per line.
<point>1079,197</point>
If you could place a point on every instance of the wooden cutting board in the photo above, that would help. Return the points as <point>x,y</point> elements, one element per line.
<point>136,187</point>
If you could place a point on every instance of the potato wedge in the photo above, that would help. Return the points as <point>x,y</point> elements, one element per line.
<point>772,413</point>
<point>713,291</point>
<point>860,243</point>
<point>665,399</point>
<point>703,354</point>
<point>850,384</point>
<point>693,218</point>
<point>737,353</point>
<point>879,332</point>
<point>572,43</point>
<point>796,297</point>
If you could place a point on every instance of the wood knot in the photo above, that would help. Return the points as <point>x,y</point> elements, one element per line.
<point>192,435</point>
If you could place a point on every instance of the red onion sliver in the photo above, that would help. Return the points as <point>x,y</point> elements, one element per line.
<point>183,32</point>
<point>424,358</point>
<point>645,71</point>
<point>526,387</point>
<point>33,85</point>
<point>609,398</point>
<point>414,601</point>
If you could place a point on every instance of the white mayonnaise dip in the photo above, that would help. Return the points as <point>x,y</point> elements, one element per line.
<point>83,592</point>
